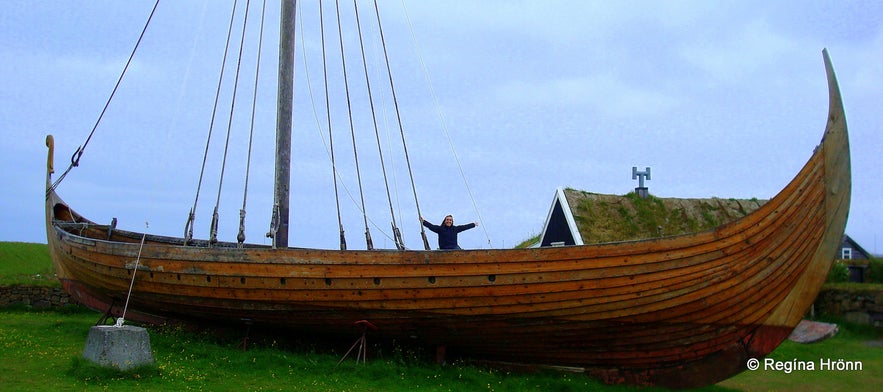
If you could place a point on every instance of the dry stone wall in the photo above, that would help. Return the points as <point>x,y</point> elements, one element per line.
<point>40,297</point>
<point>857,306</point>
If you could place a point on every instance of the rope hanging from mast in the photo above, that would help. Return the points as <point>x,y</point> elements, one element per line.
<point>396,233</point>
<point>401,128</point>
<point>188,227</point>
<point>278,214</point>
<point>75,158</point>
<point>328,148</point>
<point>240,238</point>
<point>370,243</point>
<point>444,125</point>
<point>330,134</point>
<point>213,237</point>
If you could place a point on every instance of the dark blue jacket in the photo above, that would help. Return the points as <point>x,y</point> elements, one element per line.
<point>447,235</point>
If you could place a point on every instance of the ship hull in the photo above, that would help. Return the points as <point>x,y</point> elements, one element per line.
<point>678,311</point>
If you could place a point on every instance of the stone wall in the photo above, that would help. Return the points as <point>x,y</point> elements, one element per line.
<point>36,296</point>
<point>857,306</point>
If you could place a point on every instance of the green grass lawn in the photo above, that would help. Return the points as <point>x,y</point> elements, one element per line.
<point>42,350</point>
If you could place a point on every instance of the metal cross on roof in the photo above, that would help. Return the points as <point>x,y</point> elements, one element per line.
<point>641,190</point>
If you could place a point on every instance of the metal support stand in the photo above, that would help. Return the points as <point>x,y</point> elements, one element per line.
<point>108,314</point>
<point>361,342</point>
<point>440,358</point>
<point>248,322</point>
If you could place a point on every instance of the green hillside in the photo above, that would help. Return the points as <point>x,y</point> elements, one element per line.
<point>26,264</point>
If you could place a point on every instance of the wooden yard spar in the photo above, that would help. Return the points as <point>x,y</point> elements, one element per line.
<point>678,311</point>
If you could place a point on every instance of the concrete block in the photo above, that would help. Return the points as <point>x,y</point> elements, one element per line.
<point>123,347</point>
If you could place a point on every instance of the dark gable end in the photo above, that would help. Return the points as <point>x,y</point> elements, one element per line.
<point>560,228</point>
<point>557,231</point>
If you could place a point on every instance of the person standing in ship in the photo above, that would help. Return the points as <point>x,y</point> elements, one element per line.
<point>447,232</point>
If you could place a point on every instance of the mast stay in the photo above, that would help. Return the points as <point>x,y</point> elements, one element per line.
<point>285,114</point>
<point>279,222</point>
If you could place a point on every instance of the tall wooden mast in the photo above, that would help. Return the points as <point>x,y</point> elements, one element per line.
<point>283,122</point>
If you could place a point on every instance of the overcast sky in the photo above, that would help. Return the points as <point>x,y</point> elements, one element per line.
<point>501,102</point>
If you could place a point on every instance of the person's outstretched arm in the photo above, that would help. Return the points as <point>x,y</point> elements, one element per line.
<point>428,225</point>
<point>466,226</point>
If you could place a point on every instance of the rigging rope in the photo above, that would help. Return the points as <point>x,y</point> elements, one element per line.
<point>444,122</point>
<point>328,114</point>
<point>396,233</point>
<point>213,238</point>
<point>75,158</point>
<point>370,243</point>
<point>401,128</point>
<point>338,178</point>
<point>188,227</point>
<point>240,238</point>
<point>122,319</point>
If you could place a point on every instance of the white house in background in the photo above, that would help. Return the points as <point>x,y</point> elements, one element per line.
<point>851,250</point>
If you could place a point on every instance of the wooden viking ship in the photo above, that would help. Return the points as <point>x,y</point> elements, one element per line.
<point>677,311</point>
